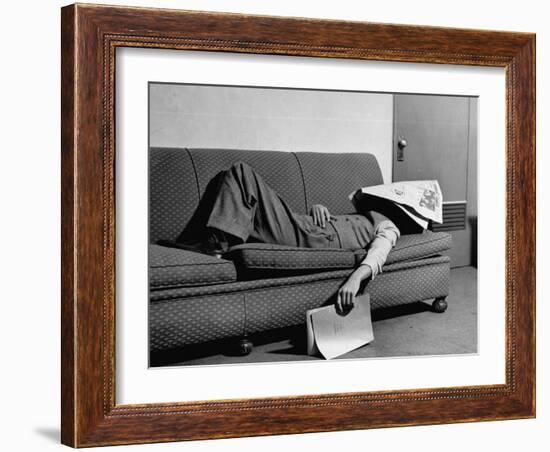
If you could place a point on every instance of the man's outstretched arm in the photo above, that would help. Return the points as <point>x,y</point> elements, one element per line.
<point>386,235</point>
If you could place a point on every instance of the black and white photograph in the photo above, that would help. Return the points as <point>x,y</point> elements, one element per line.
<point>294,224</point>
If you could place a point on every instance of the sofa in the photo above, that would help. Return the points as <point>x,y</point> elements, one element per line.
<point>196,298</point>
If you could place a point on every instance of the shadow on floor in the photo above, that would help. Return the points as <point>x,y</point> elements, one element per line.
<point>229,347</point>
<point>399,311</point>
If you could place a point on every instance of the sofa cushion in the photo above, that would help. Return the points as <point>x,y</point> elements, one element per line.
<point>415,246</point>
<point>330,177</point>
<point>173,267</point>
<point>267,256</point>
<point>284,259</point>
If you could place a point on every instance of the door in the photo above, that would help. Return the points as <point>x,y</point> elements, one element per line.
<point>435,137</point>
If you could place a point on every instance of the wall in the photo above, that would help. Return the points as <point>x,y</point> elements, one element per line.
<point>30,189</point>
<point>272,119</point>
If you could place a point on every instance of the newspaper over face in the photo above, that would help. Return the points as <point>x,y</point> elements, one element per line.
<point>423,197</point>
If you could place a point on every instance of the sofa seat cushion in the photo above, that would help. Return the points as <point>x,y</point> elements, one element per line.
<point>252,258</point>
<point>415,246</point>
<point>173,267</point>
<point>263,256</point>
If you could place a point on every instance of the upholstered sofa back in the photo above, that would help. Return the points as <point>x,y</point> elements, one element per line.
<point>179,178</point>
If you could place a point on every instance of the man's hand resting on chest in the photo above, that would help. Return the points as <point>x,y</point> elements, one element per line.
<point>320,214</point>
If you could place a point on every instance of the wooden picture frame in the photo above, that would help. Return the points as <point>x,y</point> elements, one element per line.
<point>90,36</point>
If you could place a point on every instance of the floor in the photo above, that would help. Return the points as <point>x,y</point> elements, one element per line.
<point>409,330</point>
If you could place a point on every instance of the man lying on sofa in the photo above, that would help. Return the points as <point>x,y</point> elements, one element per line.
<point>247,209</point>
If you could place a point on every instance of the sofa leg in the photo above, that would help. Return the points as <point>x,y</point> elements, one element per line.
<point>245,346</point>
<point>439,305</point>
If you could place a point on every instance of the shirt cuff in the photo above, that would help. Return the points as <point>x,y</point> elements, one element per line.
<point>386,238</point>
<point>374,266</point>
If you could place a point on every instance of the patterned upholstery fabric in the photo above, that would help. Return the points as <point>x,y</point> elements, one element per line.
<point>253,306</point>
<point>172,267</point>
<point>238,286</point>
<point>415,246</point>
<point>330,178</point>
<point>268,256</point>
<point>180,322</point>
<point>408,282</point>
<point>286,305</point>
<point>173,193</point>
<point>261,256</point>
<point>279,169</point>
<point>259,284</point>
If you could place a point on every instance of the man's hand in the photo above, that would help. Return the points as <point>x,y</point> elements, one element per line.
<point>348,290</point>
<point>320,215</point>
<point>347,293</point>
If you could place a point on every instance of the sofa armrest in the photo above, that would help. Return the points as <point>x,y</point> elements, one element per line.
<point>173,267</point>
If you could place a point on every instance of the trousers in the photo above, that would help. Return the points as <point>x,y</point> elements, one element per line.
<point>248,208</point>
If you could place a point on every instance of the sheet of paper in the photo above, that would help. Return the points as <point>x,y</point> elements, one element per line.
<point>334,334</point>
<point>419,220</point>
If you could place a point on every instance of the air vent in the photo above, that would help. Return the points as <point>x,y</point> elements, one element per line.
<point>454,217</point>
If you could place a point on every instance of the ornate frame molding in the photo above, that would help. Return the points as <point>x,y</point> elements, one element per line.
<point>90,36</point>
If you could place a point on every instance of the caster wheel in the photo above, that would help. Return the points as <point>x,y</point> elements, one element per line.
<point>439,305</point>
<point>245,346</point>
